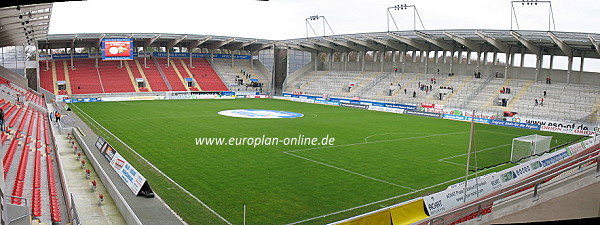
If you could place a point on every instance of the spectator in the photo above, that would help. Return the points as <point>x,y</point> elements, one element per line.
<point>542,102</point>
<point>544,93</point>
<point>414,94</point>
<point>536,102</point>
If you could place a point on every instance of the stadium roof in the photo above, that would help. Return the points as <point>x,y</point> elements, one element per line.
<point>24,24</point>
<point>155,39</point>
<point>531,42</point>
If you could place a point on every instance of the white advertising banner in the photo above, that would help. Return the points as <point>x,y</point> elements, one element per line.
<point>455,195</point>
<point>128,173</point>
<point>386,109</point>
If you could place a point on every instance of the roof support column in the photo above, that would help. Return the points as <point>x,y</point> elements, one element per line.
<point>362,67</point>
<point>460,57</point>
<point>345,59</point>
<point>512,63</point>
<point>330,60</point>
<point>538,65</point>
<point>569,69</point>
<point>394,59</point>
<point>252,58</point>
<point>232,59</point>
<point>509,60</point>
<point>478,61</point>
<point>402,59</point>
<point>485,58</point>
<point>47,61</point>
<point>495,58</point>
<point>581,64</point>
<point>435,55</point>
<point>382,59</point>
<point>451,60</point>
<point>168,57</point>
<point>316,59</point>
<point>190,52</point>
<point>469,57</point>
<point>414,56</point>
<point>426,61</point>
<point>444,60</point>
<point>97,51</point>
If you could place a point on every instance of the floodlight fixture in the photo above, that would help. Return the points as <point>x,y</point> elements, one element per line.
<point>403,7</point>
<point>532,3</point>
<point>317,17</point>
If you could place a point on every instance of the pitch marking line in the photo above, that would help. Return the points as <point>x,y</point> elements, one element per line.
<point>381,141</point>
<point>483,150</point>
<point>380,201</point>
<point>459,164</point>
<point>349,171</point>
<point>159,171</point>
<point>382,134</point>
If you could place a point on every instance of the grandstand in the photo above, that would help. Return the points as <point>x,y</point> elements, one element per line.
<point>55,171</point>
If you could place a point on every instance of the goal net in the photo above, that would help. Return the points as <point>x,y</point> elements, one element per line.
<point>527,146</point>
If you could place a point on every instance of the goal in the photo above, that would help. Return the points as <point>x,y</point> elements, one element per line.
<point>527,146</point>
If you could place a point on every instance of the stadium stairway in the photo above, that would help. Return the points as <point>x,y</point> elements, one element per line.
<point>154,76</point>
<point>182,69</point>
<point>83,196</point>
<point>517,97</point>
<point>173,76</point>
<point>132,77</point>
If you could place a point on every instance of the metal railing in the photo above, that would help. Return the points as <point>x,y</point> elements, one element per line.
<point>530,186</point>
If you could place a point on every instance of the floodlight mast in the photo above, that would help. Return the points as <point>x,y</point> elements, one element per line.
<point>532,3</point>
<point>403,7</point>
<point>317,17</point>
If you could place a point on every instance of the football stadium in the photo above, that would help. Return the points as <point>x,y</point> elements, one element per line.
<point>400,126</point>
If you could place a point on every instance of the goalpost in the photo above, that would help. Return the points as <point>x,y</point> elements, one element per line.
<point>526,146</point>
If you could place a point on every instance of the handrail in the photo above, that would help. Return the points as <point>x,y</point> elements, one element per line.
<point>475,207</point>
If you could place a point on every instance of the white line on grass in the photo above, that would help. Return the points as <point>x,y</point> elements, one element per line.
<point>483,150</point>
<point>349,171</point>
<point>496,132</point>
<point>376,202</point>
<point>370,136</point>
<point>381,141</point>
<point>159,171</point>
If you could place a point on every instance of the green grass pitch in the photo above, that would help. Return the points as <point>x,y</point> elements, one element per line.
<point>377,159</point>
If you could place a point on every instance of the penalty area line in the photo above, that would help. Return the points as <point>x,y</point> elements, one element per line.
<point>380,141</point>
<point>158,170</point>
<point>349,171</point>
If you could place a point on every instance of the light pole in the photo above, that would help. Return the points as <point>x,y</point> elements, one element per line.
<point>403,7</point>
<point>317,17</point>
<point>531,3</point>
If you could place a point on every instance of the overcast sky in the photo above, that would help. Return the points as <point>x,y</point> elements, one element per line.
<point>286,19</point>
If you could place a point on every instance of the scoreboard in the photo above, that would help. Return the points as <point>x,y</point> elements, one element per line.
<point>117,49</point>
